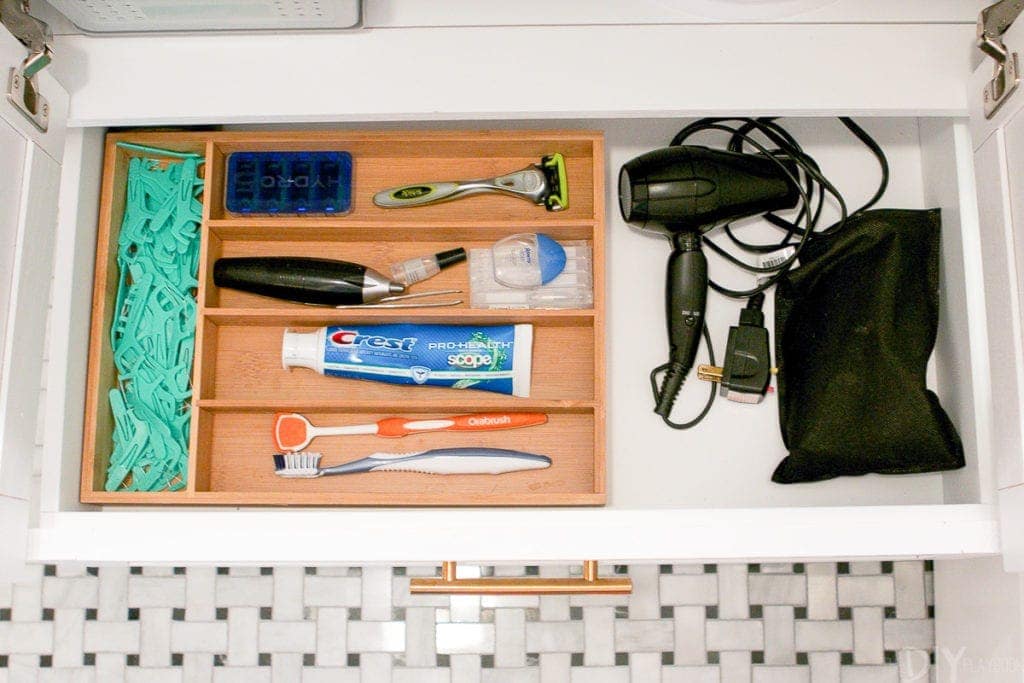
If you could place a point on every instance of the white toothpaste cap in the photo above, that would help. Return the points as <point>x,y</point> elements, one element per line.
<point>303,350</point>
<point>522,360</point>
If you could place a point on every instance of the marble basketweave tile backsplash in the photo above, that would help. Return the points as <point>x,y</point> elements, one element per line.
<point>771,623</point>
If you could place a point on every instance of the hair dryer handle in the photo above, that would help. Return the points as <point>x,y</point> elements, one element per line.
<point>685,300</point>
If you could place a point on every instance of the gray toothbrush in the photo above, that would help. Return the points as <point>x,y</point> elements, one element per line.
<point>306,465</point>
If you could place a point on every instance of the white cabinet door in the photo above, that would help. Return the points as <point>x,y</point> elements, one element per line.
<point>999,169</point>
<point>979,617</point>
<point>30,163</point>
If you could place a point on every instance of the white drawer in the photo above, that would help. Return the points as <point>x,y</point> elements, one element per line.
<point>699,495</point>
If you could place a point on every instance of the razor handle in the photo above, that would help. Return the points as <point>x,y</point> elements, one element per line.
<point>529,183</point>
<point>686,292</point>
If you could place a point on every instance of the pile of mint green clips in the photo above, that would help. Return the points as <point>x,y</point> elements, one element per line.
<point>154,323</point>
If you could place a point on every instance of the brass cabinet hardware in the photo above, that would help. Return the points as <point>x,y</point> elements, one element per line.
<point>588,583</point>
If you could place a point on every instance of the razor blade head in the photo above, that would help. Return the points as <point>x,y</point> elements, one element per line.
<point>557,198</point>
<point>299,465</point>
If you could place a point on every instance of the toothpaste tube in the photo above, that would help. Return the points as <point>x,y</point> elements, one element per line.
<point>489,357</point>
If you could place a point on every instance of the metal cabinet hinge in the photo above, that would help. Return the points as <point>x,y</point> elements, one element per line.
<point>22,90</point>
<point>992,24</point>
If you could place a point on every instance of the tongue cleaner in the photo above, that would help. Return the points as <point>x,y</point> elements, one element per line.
<point>544,183</point>
<point>293,432</point>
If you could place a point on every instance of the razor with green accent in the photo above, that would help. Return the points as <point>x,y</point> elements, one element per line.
<point>543,184</point>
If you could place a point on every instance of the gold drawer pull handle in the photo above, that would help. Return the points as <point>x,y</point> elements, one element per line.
<point>589,583</point>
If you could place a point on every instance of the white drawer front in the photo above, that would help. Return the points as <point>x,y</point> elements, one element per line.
<point>702,495</point>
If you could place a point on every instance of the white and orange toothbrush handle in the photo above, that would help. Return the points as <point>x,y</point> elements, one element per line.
<point>475,422</point>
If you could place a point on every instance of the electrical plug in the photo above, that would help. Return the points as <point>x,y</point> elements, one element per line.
<point>746,369</point>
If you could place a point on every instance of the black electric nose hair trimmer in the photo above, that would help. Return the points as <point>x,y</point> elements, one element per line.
<point>682,192</point>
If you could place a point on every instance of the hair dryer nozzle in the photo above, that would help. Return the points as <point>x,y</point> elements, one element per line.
<point>688,187</point>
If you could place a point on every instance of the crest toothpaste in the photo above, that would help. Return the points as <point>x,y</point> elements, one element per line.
<point>489,357</point>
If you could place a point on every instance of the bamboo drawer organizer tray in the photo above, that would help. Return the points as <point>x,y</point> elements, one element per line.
<point>237,378</point>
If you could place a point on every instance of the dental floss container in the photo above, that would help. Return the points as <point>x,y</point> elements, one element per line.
<point>573,288</point>
<point>527,260</point>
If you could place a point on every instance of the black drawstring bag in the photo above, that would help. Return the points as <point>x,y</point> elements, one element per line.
<point>854,327</point>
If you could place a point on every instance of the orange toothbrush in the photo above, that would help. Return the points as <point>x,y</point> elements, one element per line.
<point>293,432</point>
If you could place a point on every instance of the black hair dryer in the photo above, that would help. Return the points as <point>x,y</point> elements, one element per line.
<point>682,192</point>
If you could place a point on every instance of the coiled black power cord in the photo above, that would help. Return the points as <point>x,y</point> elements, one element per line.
<point>770,139</point>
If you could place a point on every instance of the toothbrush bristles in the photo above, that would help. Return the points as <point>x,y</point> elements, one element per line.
<point>299,464</point>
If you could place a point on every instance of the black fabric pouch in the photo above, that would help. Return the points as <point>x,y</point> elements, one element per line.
<point>854,327</point>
